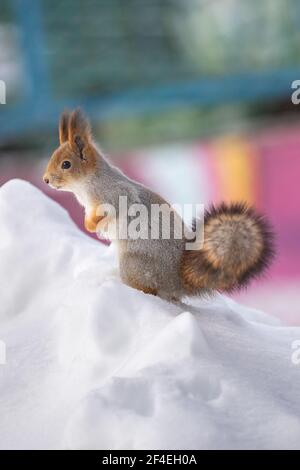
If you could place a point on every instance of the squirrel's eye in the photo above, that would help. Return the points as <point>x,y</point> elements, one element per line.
<point>66,165</point>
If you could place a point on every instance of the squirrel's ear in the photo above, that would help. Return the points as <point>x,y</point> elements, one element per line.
<point>64,127</point>
<point>79,131</point>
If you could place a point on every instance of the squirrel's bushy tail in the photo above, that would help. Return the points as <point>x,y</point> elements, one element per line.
<point>238,245</point>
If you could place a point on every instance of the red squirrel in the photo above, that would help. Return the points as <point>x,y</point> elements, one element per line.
<point>237,243</point>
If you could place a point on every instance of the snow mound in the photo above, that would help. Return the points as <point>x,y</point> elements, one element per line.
<point>91,363</point>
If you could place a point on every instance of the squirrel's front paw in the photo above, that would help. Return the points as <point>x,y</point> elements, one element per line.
<point>90,225</point>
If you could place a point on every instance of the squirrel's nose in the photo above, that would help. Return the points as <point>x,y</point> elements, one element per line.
<point>46,180</point>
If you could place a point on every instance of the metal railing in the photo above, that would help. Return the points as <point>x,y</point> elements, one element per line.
<point>115,58</point>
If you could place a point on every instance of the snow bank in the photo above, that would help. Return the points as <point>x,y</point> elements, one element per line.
<point>92,363</point>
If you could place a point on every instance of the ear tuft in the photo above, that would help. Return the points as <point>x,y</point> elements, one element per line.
<point>79,131</point>
<point>64,127</point>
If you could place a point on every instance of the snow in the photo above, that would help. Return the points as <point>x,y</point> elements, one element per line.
<point>92,363</point>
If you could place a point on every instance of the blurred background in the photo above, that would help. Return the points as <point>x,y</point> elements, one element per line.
<point>191,97</point>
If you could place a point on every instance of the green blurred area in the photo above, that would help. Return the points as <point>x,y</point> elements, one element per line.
<point>107,46</point>
<point>104,48</point>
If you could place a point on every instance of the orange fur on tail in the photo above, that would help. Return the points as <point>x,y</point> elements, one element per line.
<point>238,245</point>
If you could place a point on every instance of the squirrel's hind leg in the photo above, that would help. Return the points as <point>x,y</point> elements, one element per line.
<point>146,290</point>
<point>134,271</point>
<point>136,285</point>
<point>132,276</point>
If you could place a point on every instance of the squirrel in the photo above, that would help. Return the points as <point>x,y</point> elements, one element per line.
<point>237,244</point>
